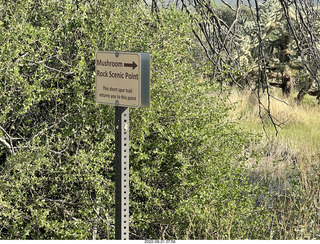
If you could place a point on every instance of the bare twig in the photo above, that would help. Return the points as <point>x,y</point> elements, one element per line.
<point>8,145</point>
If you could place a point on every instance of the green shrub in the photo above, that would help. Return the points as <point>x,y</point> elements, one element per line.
<point>188,178</point>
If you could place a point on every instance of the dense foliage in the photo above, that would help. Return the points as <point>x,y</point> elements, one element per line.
<point>187,172</point>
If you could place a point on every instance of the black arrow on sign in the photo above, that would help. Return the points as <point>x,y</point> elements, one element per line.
<point>133,65</point>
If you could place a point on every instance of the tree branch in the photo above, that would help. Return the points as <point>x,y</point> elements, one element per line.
<point>8,145</point>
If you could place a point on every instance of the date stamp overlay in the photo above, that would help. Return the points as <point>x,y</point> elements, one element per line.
<point>160,241</point>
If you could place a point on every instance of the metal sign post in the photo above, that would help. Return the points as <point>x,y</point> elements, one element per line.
<point>123,81</point>
<point>122,172</point>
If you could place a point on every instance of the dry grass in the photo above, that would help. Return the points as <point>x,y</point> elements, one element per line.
<point>299,130</point>
<point>290,160</point>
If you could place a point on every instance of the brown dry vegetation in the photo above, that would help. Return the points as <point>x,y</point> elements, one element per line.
<point>289,164</point>
<point>298,134</point>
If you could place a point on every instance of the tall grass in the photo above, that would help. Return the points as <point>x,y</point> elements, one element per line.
<point>290,161</point>
<point>299,125</point>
